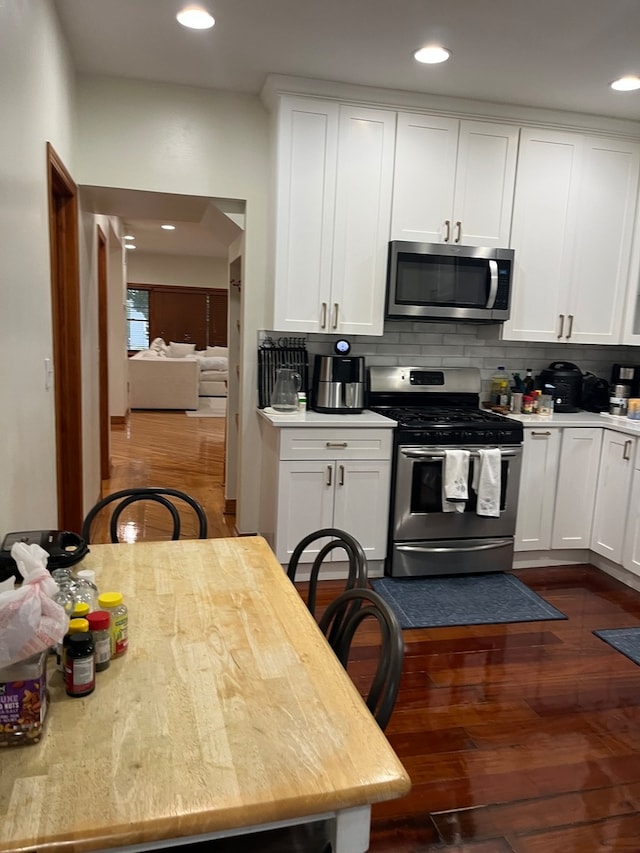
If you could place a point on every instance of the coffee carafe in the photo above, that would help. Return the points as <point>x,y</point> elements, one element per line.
<point>284,397</point>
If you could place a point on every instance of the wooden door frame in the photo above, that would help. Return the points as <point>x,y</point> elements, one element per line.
<point>103,349</point>
<point>65,314</point>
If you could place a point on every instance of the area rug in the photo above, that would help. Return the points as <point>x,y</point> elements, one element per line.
<point>624,640</point>
<point>209,407</point>
<point>463,600</point>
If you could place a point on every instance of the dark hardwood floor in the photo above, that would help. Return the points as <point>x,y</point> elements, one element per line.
<point>519,738</point>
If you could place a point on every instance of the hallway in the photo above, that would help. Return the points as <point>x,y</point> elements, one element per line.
<point>173,450</point>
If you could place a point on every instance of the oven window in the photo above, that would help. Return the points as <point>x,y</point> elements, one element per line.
<point>426,487</point>
<point>441,280</point>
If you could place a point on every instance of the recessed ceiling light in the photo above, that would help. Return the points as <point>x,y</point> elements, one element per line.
<point>168,227</point>
<point>129,246</point>
<point>129,237</point>
<point>195,18</point>
<point>432,54</point>
<point>626,84</point>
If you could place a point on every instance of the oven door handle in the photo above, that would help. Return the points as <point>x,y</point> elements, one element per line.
<point>440,549</point>
<point>434,455</point>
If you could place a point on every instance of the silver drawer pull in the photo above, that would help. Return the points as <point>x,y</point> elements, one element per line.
<point>337,444</point>
<point>535,432</point>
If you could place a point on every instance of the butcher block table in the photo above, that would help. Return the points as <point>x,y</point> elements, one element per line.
<point>229,713</point>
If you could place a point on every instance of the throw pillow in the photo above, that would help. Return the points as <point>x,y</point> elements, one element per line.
<point>158,345</point>
<point>180,350</point>
<point>217,352</point>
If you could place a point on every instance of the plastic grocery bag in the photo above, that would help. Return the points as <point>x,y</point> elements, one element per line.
<point>30,619</point>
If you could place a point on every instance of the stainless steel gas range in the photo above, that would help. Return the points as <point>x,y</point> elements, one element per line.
<point>437,410</point>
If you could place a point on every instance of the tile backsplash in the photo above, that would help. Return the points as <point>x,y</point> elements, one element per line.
<point>470,345</point>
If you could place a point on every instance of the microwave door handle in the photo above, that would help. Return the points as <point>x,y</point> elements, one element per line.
<point>493,284</point>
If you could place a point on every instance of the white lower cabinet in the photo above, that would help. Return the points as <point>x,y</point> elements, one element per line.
<point>557,488</point>
<point>612,498</point>
<point>332,478</point>
<point>576,487</point>
<point>631,550</point>
<point>540,455</point>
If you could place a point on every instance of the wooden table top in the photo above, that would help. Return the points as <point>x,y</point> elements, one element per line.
<point>228,710</point>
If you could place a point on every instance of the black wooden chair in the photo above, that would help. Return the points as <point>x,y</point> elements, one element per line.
<point>168,498</point>
<point>357,576</point>
<point>345,614</point>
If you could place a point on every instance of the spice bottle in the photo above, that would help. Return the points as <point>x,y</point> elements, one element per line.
<point>99,622</point>
<point>528,381</point>
<point>112,602</point>
<point>79,667</point>
<point>76,626</point>
<point>527,404</point>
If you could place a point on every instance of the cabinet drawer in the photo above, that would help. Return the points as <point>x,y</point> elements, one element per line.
<point>335,443</point>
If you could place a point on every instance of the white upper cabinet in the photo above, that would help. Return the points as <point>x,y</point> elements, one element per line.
<point>573,219</point>
<point>333,206</point>
<point>453,181</point>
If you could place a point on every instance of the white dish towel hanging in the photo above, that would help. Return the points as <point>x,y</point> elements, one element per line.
<point>486,481</point>
<point>455,476</point>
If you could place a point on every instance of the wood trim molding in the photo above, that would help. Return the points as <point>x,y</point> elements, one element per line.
<point>66,329</point>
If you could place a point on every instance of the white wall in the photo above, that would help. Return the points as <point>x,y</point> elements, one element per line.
<point>179,270</point>
<point>165,138</point>
<point>37,106</point>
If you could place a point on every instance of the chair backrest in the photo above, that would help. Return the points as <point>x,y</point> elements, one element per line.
<point>358,574</point>
<point>348,611</point>
<point>158,495</point>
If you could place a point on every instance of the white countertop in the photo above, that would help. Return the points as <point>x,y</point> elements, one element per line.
<point>581,419</point>
<point>321,419</point>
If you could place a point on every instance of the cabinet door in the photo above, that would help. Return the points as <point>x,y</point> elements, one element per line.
<point>485,178</point>
<point>362,215</point>
<point>305,196</point>
<point>304,504</point>
<point>541,235</point>
<point>537,489</point>
<point>605,210</point>
<point>362,503</point>
<point>576,487</point>
<point>631,550</point>
<point>614,481</point>
<point>424,178</point>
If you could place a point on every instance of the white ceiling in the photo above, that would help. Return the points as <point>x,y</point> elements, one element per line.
<point>203,226</point>
<point>559,54</point>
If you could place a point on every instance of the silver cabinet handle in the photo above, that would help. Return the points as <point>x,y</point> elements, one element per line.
<point>342,475</point>
<point>323,321</point>
<point>329,474</point>
<point>447,223</point>
<point>561,325</point>
<point>534,432</point>
<point>570,318</point>
<point>459,227</point>
<point>335,316</point>
<point>626,452</point>
<point>336,444</point>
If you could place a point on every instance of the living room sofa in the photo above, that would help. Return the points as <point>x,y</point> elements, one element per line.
<point>174,375</point>
<point>163,383</point>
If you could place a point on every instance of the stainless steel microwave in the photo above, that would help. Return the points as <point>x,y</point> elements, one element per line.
<point>440,281</point>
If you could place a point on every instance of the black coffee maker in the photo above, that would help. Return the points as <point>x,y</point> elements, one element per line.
<point>627,374</point>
